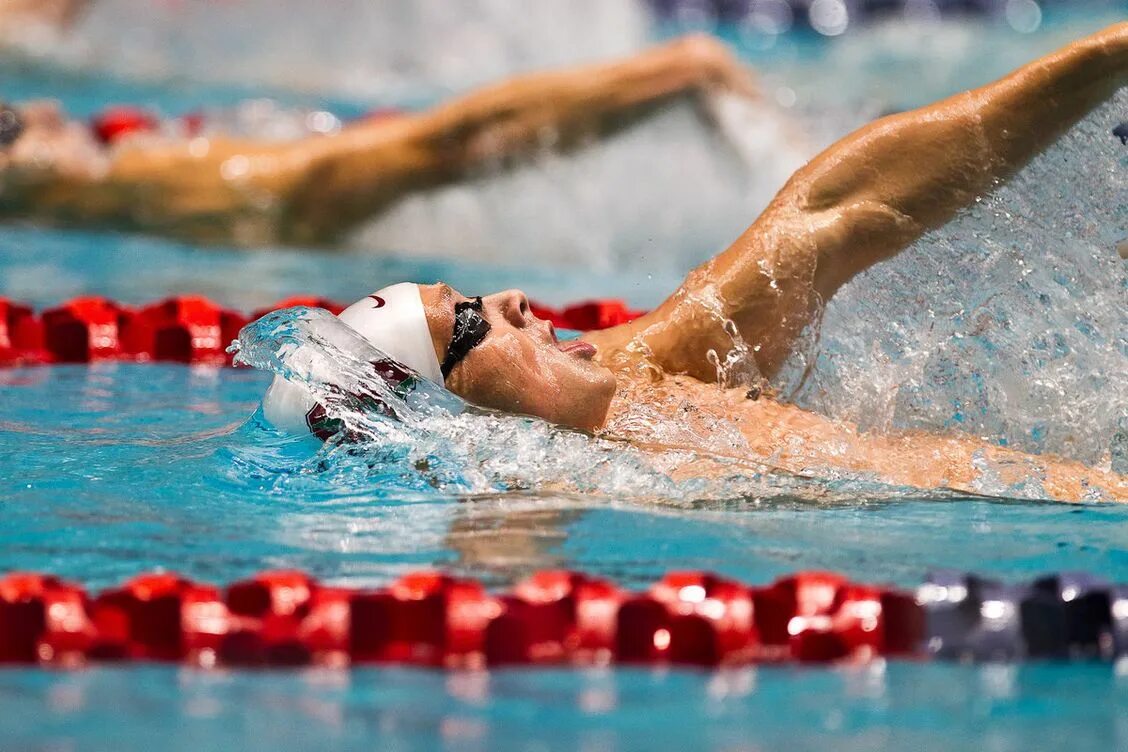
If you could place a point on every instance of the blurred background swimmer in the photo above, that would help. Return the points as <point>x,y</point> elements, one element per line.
<point>220,188</point>
<point>20,16</point>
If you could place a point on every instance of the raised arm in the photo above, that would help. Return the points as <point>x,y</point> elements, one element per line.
<point>869,196</point>
<point>16,15</point>
<point>367,166</point>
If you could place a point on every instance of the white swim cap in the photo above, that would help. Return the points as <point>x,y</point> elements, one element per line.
<point>392,320</point>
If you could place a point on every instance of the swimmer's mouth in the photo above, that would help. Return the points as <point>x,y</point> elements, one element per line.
<point>577,347</point>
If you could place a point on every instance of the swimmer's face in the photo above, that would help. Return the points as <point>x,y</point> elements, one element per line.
<point>520,367</point>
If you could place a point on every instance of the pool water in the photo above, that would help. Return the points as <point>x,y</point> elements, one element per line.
<point>116,468</point>
<point>939,708</point>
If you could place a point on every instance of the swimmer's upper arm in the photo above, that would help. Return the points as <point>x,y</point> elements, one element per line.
<point>891,181</point>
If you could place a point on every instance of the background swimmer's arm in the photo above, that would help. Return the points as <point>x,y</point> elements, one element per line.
<point>351,175</point>
<point>59,13</point>
<point>868,197</point>
<point>560,108</point>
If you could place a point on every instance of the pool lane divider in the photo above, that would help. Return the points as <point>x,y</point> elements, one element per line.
<point>186,328</point>
<point>558,618</point>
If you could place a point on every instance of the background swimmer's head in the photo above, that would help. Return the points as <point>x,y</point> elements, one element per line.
<point>520,366</point>
<point>11,125</point>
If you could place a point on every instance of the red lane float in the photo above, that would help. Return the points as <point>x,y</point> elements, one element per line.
<point>185,328</point>
<point>115,123</point>
<point>309,301</point>
<point>286,618</point>
<point>83,330</point>
<point>588,316</point>
<point>43,619</point>
<point>21,335</point>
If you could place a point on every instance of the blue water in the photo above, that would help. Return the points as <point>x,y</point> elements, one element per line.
<point>117,468</point>
<point>942,708</point>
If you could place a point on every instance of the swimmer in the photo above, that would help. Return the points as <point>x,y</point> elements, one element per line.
<point>313,190</point>
<point>17,16</point>
<point>861,201</point>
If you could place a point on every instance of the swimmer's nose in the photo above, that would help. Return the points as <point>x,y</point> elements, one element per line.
<point>515,307</point>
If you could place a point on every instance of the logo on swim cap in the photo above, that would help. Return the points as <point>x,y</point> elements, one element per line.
<point>379,301</point>
<point>402,381</point>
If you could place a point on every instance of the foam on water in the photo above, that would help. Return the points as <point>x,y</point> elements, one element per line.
<point>1009,323</point>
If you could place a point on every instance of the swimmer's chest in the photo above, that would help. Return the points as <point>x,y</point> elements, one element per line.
<point>682,410</point>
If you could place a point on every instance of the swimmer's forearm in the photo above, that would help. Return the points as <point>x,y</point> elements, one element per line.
<point>901,176</point>
<point>350,176</point>
<point>562,106</point>
<point>1027,111</point>
<point>55,12</point>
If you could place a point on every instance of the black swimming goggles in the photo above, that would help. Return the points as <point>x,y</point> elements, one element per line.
<point>470,328</point>
<point>11,125</point>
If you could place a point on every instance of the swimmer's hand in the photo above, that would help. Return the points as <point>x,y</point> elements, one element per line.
<point>713,66</point>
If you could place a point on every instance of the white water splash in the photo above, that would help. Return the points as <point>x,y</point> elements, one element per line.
<point>1010,323</point>
<point>440,445</point>
<point>738,368</point>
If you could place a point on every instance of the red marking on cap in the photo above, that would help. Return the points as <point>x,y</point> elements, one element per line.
<point>379,301</point>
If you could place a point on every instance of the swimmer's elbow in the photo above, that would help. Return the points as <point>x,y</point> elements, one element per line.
<point>850,239</point>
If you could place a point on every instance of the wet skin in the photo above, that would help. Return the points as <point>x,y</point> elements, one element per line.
<point>521,366</point>
<point>18,15</point>
<point>862,201</point>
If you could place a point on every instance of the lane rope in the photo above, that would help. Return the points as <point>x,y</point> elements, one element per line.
<point>187,328</point>
<point>562,618</point>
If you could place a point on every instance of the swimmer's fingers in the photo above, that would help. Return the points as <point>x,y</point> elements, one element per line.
<point>715,65</point>
<point>737,78</point>
<point>740,80</point>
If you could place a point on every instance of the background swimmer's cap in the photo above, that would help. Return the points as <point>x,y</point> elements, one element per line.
<point>392,320</point>
<point>11,125</point>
